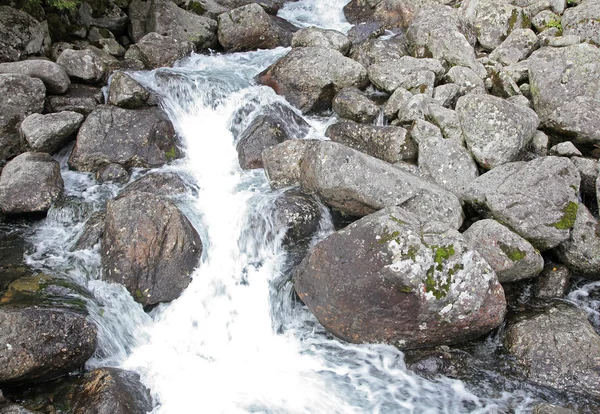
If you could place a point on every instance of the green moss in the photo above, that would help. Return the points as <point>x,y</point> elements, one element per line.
<point>411,253</point>
<point>389,237</point>
<point>442,253</point>
<point>568,219</point>
<point>138,294</point>
<point>397,220</point>
<point>555,23</point>
<point>57,4</point>
<point>513,253</point>
<point>405,289</point>
<point>171,154</point>
<point>196,8</point>
<point>439,288</point>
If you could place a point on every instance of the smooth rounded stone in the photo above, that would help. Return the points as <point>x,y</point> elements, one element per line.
<point>21,35</point>
<point>111,390</point>
<point>53,75</point>
<point>553,282</point>
<point>581,252</point>
<point>282,162</point>
<point>149,246</point>
<point>351,103</point>
<point>512,257</point>
<point>396,103</point>
<point>112,173</point>
<point>467,81</point>
<point>129,137</point>
<point>44,329</point>
<point>30,183</point>
<point>446,95</point>
<point>565,149</point>
<point>92,231</point>
<point>107,16</point>
<point>372,51</point>
<point>557,348</point>
<point>88,65</point>
<point>310,77</point>
<point>389,13</point>
<point>583,21</point>
<point>407,72</point>
<point>517,46</point>
<point>447,121</point>
<point>362,32</point>
<point>125,92</point>
<point>250,28</point>
<point>448,164</point>
<point>49,133</point>
<point>79,98</point>
<point>546,408</point>
<point>388,143</point>
<point>166,184</point>
<point>359,184</point>
<point>299,214</point>
<point>496,131</point>
<point>14,409</point>
<point>536,199</point>
<point>588,170</point>
<point>317,37</point>
<point>384,279</point>
<point>156,50</point>
<point>565,90</point>
<point>22,96</point>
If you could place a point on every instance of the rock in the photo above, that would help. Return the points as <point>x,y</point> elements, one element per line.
<point>112,173</point>
<point>448,121</point>
<point>310,77</point>
<point>156,50</point>
<point>396,103</point>
<point>111,390</point>
<point>468,81</point>
<point>125,92</point>
<point>504,86</point>
<point>92,231</point>
<point>54,76</point>
<point>30,183</point>
<point>21,35</point>
<point>79,98</point>
<point>108,16</point>
<point>138,16</point>
<point>250,28</point>
<point>88,65</point>
<point>589,171</point>
<point>539,145</point>
<point>415,109</point>
<point>583,21</point>
<point>344,179</point>
<point>446,95</point>
<point>422,131</point>
<point>557,348</point>
<point>362,32</point>
<point>149,246</point>
<point>537,199</point>
<point>496,131</point>
<point>512,257</point>
<point>415,75</point>
<point>353,104</point>
<point>518,45</point>
<point>44,329</point>
<point>14,409</point>
<point>22,96</point>
<point>317,37</point>
<point>560,41</point>
<point>282,162</point>
<point>383,279</point>
<point>166,184</point>
<point>544,20</point>
<point>131,138</point>
<point>389,13</point>
<point>388,143</point>
<point>565,149</point>
<point>546,408</point>
<point>553,282</point>
<point>299,214</point>
<point>379,50</point>
<point>112,47</point>
<point>565,92</point>
<point>49,133</point>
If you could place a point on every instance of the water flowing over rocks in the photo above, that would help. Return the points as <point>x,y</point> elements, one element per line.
<point>300,215</point>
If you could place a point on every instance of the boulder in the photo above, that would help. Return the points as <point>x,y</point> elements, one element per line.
<point>537,199</point>
<point>546,408</point>
<point>351,103</point>
<point>553,282</point>
<point>446,95</point>
<point>379,50</point>
<point>496,131</point>
<point>156,50</point>
<point>565,149</point>
<point>389,13</point>
<point>589,171</point>
<point>309,77</point>
<point>384,279</point>
<point>112,173</point>
<point>388,143</point>
<point>22,96</point>
<point>21,35</point>
<point>131,138</point>
<point>106,15</point>
<point>149,246</point>
<point>396,103</point>
<point>125,92</point>
<point>359,184</point>
<point>30,183</point>
<point>467,80</point>
<point>300,216</point>
<point>88,65</point>
<point>250,28</point>
<point>415,75</point>
<point>512,257</point>
<point>416,108</point>
<point>92,231</point>
<point>282,162</point>
<point>49,133</point>
<point>14,409</point>
<point>557,348</point>
<point>518,45</point>
<point>447,121</point>
<point>53,75</point>
<point>317,37</point>
<point>583,21</point>
<point>79,98</point>
<point>165,184</point>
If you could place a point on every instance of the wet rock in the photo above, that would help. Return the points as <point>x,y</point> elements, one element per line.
<point>149,246</point>
<point>518,45</point>
<point>126,92</point>
<point>388,143</point>
<point>382,279</point>
<point>107,16</point>
<point>496,131</point>
<point>79,98</point>
<point>54,76</point>
<point>91,233</point>
<point>21,35</point>
<point>546,408</point>
<point>359,184</point>
<point>131,138</point>
<point>22,96</point>
<point>512,257</point>
<point>467,80</point>
<point>310,77</point>
<point>88,65</point>
<point>156,50</point>
<point>30,183</point>
<point>351,103</point>
<point>557,348</point>
<point>379,50</point>
<point>49,133</point>
<point>112,173</point>
<point>589,171</point>
<point>553,282</point>
<point>166,184</point>
<point>537,199</point>
<point>317,37</point>
<point>565,149</point>
<point>282,162</point>
<point>300,215</point>
<point>583,21</point>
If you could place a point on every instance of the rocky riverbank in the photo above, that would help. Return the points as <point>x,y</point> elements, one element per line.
<point>463,163</point>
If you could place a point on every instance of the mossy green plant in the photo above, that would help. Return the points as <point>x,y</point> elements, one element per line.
<point>568,219</point>
<point>555,23</point>
<point>513,253</point>
<point>171,154</point>
<point>437,286</point>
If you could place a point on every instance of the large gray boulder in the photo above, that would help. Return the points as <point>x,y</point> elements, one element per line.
<point>21,35</point>
<point>407,72</point>
<point>155,50</point>
<point>131,138</point>
<point>557,348</point>
<point>88,65</point>
<point>105,15</point>
<point>14,409</point>
<point>317,37</point>
<point>166,184</point>
<point>30,183</point>
<point>49,133</point>
<point>583,21</point>
<point>496,131</point>
<point>537,199</point>
<point>385,279</point>
<point>512,257</point>
<point>359,184</point>
<point>282,162</point>
<point>310,77</point>
<point>351,103</point>
<point>517,46</point>
<point>22,96</point>
<point>53,75</point>
<point>79,98</point>
<point>149,246</point>
<point>379,50</point>
<point>250,28</point>
<point>388,13</point>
